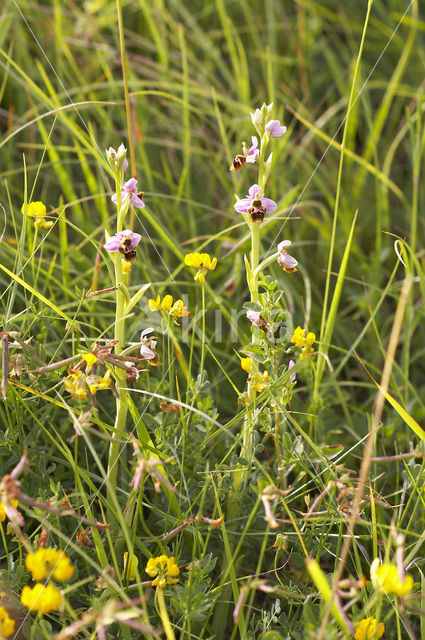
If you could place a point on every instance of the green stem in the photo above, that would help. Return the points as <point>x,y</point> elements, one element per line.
<point>265,263</point>
<point>254,227</point>
<point>126,92</point>
<point>255,255</point>
<point>241,474</point>
<point>163,614</point>
<point>255,258</point>
<point>203,334</point>
<point>119,335</point>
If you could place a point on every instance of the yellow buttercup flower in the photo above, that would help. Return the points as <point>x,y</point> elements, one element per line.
<point>46,562</point>
<point>7,624</point>
<point>366,629</point>
<point>43,598</point>
<point>37,210</point>
<point>201,261</point>
<point>246,364</point>
<point>163,569</point>
<point>130,563</point>
<point>385,577</point>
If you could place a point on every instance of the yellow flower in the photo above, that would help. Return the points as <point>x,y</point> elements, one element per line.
<point>126,266</point>
<point>366,629</point>
<point>178,310</point>
<point>298,337</point>
<point>75,384</point>
<point>90,358</point>
<point>155,305</point>
<point>201,261</point>
<point>306,352</point>
<point>167,303</point>
<point>46,562</point>
<point>7,624</point>
<point>163,569</point>
<point>246,364</point>
<point>34,209</point>
<point>310,338</point>
<point>3,514</point>
<point>304,341</point>
<point>40,222</point>
<point>130,564</point>
<point>258,380</point>
<point>41,598</point>
<point>98,383</point>
<point>385,577</point>
<point>37,210</point>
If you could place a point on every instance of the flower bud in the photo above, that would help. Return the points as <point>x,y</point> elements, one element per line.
<point>117,159</point>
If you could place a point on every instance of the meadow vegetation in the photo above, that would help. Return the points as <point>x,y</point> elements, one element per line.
<point>212,319</point>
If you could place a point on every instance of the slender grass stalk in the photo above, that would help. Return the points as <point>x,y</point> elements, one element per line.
<point>370,443</point>
<point>126,94</point>
<point>328,320</point>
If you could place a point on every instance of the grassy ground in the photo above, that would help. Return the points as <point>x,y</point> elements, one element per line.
<point>347,81</point>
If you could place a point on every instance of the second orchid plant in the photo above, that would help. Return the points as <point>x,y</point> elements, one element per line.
<point>121,248</point>
<point>262,306</point>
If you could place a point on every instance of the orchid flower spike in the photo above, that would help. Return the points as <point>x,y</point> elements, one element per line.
<point>117,159</point>
<point>260,116</point>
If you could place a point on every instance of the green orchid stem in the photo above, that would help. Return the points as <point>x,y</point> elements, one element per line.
<point>119,335</point>
<point>255,258</point>
<point>121,404</point>
<point>265,264</point>
<point>241,475</point>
